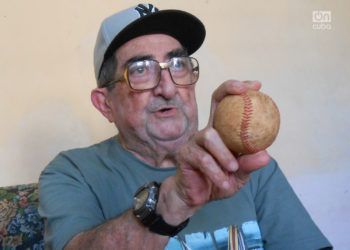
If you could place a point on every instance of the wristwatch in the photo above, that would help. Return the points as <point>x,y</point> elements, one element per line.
<point>145,204</point>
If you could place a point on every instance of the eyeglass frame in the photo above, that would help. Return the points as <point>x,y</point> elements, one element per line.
<point>162,66</point>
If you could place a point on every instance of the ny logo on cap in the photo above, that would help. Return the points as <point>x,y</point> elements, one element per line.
<point>144,10</point>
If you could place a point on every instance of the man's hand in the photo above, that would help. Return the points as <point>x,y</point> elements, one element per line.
<point>207,170</point>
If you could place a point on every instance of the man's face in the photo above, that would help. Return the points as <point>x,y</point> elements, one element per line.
<point>166,115</point>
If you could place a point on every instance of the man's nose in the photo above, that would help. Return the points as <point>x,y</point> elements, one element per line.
<point>166,86</point>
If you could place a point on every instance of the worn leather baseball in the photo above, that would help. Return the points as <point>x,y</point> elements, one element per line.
<point>247,123</point>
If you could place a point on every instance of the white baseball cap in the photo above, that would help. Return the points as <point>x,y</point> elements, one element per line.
<point>146,19</point>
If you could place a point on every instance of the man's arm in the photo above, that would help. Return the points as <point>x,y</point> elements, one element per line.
<point>124,232</point>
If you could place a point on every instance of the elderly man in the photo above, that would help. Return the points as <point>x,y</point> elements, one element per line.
<point>161,183</point>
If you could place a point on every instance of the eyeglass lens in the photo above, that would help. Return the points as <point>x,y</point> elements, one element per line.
<point>146,74</point>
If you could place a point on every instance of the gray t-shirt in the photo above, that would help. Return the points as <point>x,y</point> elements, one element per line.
<point>83,188</point>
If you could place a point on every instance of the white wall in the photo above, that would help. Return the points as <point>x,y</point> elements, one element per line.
<point>46,75</point>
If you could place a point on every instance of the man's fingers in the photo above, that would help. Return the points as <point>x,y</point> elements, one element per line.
<point>211,141</point>
<point>234,87</point>
<point>230,87</point>
<point>251,162</point>
<point>197,158</point>
<point>254,85</point>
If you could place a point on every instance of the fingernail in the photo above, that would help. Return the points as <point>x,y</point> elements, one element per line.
<point>225,185</point>
<point>233,166</point>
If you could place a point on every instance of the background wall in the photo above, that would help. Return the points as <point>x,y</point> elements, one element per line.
<point>46,75</point>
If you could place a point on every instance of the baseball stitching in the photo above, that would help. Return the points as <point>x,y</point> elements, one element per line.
<point>246,119</point>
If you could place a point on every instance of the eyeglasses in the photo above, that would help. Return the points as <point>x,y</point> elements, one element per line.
<point>145,74</point>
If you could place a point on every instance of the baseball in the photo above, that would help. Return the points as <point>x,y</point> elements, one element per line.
<point>247,123</point>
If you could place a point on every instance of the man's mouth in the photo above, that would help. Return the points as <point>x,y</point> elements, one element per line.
<point>166,111</point>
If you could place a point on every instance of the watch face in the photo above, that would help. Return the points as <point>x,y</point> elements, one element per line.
<point>140,199</point>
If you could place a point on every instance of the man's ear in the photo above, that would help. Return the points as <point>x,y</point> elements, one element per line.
<point>99,98</point>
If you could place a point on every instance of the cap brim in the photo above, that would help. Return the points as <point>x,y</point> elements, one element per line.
<point>183,26</point>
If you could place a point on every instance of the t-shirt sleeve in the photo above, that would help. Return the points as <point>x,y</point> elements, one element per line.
<point>67,204</point>
<point>283,220</point>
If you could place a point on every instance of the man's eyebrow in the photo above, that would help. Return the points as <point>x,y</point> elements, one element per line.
<point>137,58</point>
<point>171,54</point>
<point>177,52</point>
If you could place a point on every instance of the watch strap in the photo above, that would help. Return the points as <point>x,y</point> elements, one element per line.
<point>159,226</point>
<point>149,218</point>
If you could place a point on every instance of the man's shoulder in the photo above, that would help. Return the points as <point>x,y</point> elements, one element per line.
<point>83,156</point>
<point>89,151</point>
